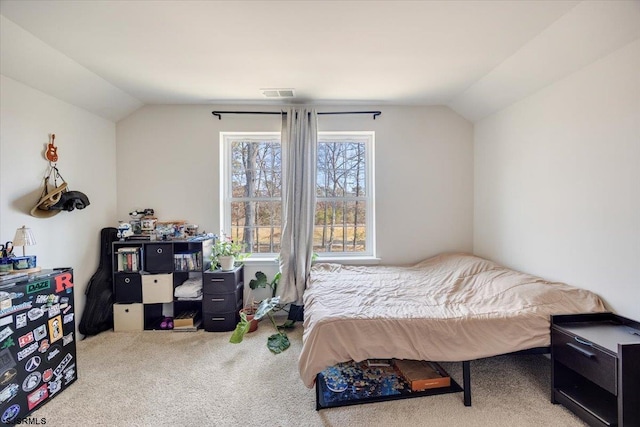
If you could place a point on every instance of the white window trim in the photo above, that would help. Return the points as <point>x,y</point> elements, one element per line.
<point>226,184</point>
<point>367,137</point>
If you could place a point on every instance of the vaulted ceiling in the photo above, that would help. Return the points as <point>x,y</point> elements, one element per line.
<point>111,57</point>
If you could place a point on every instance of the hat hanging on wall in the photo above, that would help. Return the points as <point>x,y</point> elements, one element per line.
<point>50,196</point>
<point>56,198</point>
<point>71,200</point>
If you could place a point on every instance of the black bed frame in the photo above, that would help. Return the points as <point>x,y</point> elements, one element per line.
<point>466,380</point>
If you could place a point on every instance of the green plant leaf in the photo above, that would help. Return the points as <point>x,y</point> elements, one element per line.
<point>259,282</point>
<point>276,279</point>
<point>289,324</point>
<point>278,343</point>
<point>266,306</point>
<point>241,328</point>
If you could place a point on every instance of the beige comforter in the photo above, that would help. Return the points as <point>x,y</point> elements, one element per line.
<point>451,307</point>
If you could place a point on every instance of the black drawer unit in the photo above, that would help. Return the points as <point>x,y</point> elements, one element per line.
<point>223,302</point>
<point>222,299</point>
<point>221,322</point>
<point>127,287</point>
<point>217,281</point>
<point>586,358</point>
<point>595,367</point>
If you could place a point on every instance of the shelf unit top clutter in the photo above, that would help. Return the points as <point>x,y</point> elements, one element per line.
<point>188,255</point>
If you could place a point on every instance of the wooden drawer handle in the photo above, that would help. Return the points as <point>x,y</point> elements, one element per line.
<point>582,351</point>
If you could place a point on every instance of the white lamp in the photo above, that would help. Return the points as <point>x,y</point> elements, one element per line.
<point>24,237</point>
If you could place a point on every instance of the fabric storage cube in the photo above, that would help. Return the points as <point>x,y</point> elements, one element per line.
<point>157,288</point>
<point>128,317</point>
<point>127,287</point>
<point>158,258</point>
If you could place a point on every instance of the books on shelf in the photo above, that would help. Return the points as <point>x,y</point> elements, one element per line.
<point>188,261</point>
<point>422,375</point>
<point>129,259</point>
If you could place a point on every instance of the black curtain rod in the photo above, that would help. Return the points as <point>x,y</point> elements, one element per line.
<point>219,114</point>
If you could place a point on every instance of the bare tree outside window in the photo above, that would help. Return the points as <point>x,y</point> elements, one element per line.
<point>341,201</point>
<point>342,194</point>
<point>256,195</point>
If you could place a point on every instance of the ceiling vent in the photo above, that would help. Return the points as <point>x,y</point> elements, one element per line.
<point>278,93</point>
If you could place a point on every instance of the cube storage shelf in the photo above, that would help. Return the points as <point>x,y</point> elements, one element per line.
<point>145,275</point>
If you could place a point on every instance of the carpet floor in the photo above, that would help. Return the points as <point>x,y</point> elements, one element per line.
<point>158,378</point>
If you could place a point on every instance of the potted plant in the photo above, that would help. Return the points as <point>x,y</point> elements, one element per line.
<point>277,342</point>
<point>249,312</point>
<point>250,309</point>
<point>226,253</point>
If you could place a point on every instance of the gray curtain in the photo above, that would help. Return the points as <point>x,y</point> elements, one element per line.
<point>299,154</point>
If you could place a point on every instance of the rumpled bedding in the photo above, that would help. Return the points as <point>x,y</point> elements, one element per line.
<point>452,307</point>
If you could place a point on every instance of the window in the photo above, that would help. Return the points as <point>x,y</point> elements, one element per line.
<point>252,197</point>
<point>252,184</point>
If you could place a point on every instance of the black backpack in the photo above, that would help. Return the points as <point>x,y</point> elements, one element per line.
<point>98,310</point>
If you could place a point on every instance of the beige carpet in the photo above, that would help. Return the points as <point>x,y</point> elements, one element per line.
<point>158,378</point>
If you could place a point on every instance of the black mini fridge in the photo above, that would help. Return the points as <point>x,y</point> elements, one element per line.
<point>37,340</point>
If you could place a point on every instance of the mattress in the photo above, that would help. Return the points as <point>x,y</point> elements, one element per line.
<point>452,307</point>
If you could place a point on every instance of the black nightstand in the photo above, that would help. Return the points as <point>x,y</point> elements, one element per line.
<point>595,367</point>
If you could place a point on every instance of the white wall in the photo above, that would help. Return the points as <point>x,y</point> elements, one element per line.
<point>557,181</point>
<point>168,159</point>
<point>87,153</point>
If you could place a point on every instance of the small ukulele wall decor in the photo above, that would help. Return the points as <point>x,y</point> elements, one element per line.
<point>52,151</point>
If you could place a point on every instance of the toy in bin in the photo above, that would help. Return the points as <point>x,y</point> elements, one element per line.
<point>24,262</point>
<point>6,257</point>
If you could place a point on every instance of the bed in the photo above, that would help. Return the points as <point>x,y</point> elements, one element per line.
<point>448,308</point>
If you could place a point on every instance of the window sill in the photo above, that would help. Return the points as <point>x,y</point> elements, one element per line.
<point>260,261</point>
